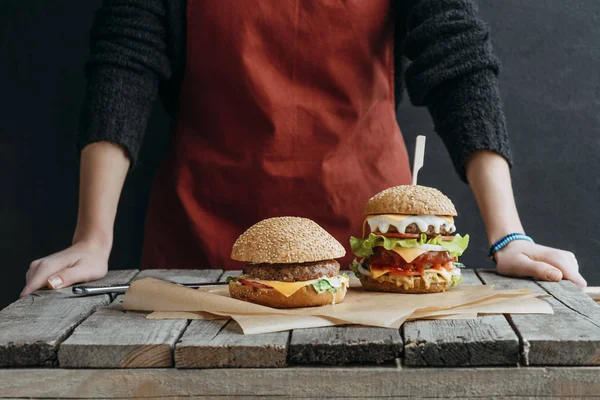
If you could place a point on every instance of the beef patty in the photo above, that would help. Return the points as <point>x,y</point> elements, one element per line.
<point>293,272</point>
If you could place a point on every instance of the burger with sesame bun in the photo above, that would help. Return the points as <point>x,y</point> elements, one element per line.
<point>412,246</point>
<point>290,263</point>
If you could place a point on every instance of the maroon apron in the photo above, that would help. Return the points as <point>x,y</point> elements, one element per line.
<point>286,109</point>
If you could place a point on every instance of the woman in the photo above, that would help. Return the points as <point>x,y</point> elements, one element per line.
<point>283,108</point>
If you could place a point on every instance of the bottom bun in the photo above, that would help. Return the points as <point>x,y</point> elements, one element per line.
<point>372,285</point>
<point>305,297</point>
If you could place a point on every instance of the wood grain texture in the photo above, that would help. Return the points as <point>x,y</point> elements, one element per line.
<point>338,345</point>
<point>114,338</point>
<point>470,277</point>
<point>221,343</point>
<point>487,340</point>
<point>32,327</point>
<point>570,336</point>
<point>182,275</point>
<point>295,382</point>
<point>116,276</point>
<point>574,298</point>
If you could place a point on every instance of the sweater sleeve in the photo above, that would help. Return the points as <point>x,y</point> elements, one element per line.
<point>127,62</point>
<point>453,72</point>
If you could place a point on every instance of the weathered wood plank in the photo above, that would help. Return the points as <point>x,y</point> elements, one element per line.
<point>117,276</point>
<point>338,345</point>
<point>182,275</point>
<point>362,382</point>
<point>490,277</point>
<point>470,277</point>
<point>574,298</point>
<point>221,343</point>
<point>114,338</point>
<point>487,340</point>
<point>567,337</point>
<point>32,327</point>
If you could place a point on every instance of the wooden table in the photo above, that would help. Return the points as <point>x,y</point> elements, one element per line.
<point>55,345</point>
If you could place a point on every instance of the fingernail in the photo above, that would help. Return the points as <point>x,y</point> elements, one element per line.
<point>55,282</point>
<point>553,275</point>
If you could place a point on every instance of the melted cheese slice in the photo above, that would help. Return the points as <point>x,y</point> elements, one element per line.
<point>409,253</point>
<point>376,273</point>
<point>289,288</point>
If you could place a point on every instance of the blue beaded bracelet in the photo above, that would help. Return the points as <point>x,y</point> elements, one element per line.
<point>500,244</point>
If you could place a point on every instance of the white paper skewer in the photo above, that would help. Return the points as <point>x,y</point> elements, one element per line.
<point>419,156</point>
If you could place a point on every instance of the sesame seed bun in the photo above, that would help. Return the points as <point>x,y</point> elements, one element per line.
<point>305,297</point>
<point>410,200</point>
<point>285,240</point>
<point>372,285</point>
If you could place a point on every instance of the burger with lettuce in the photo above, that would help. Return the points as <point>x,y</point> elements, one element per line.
<point>412,245</point>
<point>290,262</point>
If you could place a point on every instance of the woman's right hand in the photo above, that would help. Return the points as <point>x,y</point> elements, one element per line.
<point>82,262</point>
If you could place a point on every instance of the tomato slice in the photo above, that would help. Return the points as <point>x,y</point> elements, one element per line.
<point>449,266</point>
<point>246,282</point>
<point>413,271</point>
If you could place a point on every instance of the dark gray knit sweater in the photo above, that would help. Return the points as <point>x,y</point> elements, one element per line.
<point>138,52</point>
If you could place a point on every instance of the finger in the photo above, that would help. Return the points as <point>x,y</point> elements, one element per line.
<point>526,266</point>
<point>79,272</point>
<point>563,260</point>
<point>32,269</point>
<point>46,268</point>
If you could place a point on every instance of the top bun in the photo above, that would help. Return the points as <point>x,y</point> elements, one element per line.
<point>410,200</point>
<point>286,240</point>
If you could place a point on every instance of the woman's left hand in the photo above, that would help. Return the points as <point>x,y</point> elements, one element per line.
<point>522,258</point>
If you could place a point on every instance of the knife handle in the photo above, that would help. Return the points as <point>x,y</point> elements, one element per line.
<point>121,289</point>
<point>109,289</point>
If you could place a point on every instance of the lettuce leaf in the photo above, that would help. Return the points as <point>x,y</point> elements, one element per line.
<point>456,247</point>
<point>364,247</point>
<point>330,285</point>
<point>456,279</point>
<point>354,267</point>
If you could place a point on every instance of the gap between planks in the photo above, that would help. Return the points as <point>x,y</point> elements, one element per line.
<point>32,328</point>
<point>114,338</point>
<point>570,336</point>
<point>484,341</point>
<point>221,343</point>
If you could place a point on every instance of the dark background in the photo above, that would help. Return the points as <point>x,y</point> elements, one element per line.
<point>550,86</point>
